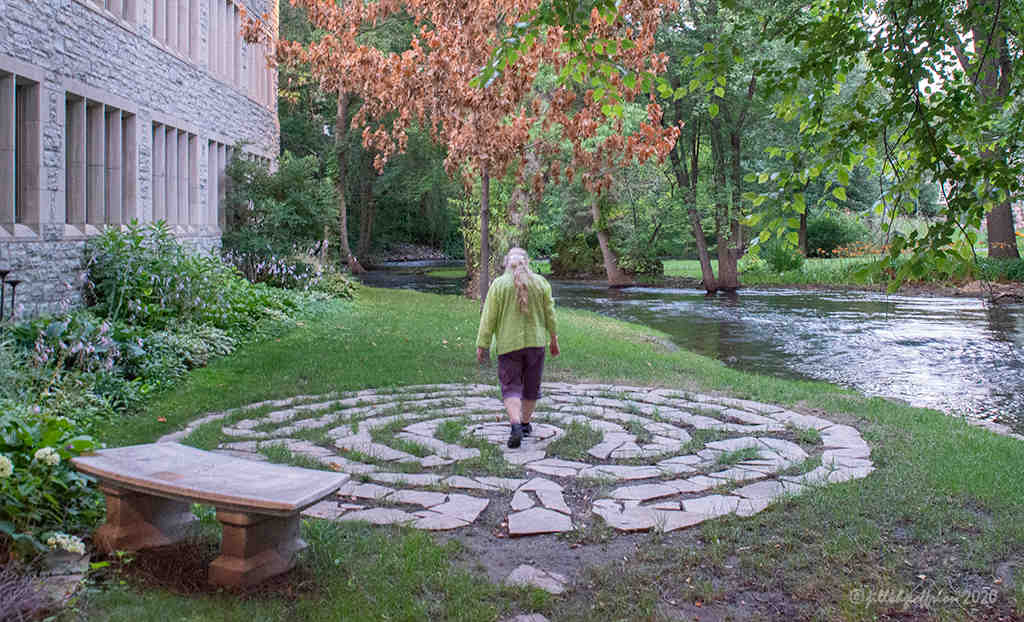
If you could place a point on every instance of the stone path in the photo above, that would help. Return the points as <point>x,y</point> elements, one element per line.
<point>411,464</point>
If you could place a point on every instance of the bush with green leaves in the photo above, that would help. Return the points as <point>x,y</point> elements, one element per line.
<point>827,231</point>
<point>1001,269</point>
<point>42,498</point>
<point>781,257</point>
<point>273,216</point>
<point>576,255</point>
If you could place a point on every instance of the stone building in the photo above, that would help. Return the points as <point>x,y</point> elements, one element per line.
<point>114,110</point>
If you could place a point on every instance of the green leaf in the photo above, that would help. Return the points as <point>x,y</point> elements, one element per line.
<point>839,192</point>
<point>713,110</point>
<point>793,238</point>
<point>719,91</point>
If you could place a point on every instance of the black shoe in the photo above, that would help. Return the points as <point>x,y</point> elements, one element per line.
<point>516,436</point>
<point>527,429</point>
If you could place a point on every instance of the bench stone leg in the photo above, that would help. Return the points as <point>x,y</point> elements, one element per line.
<point>139,521</point>
<point>255,547</point>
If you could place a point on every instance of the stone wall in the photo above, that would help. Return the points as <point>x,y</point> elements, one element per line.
<point>70,51</point>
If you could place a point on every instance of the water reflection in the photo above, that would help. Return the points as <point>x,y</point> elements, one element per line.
<point>958,355</point>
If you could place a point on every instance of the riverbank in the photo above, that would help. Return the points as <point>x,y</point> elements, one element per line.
<point>935,532</point>
<point>821,274</point>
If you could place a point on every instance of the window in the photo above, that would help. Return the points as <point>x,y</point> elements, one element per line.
<point>217,182</point>
<point>175,176</point>
<point>100,163</point>
<point>122,9</point>
<point>176,25</point>
<point>20,165</point>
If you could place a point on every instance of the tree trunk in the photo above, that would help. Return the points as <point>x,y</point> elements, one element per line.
<point>686,180</point>
<point>369,209</point>
<point>485,233</point>
<point>341,152</point>
<point>803,233</point>
<point>1002,242</point>
<point>992,73</point>
<point>616,277</point>
<point>366,222</point>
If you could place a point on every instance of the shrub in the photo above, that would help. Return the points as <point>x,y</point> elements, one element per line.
<point>144,276</point>
<point>40,493</point>
<point>273,213</point>
<point>641,264</point>
<point>1001,269</point>
<point>828,231</point>
<point>781,257</point>
<point>576,255</point>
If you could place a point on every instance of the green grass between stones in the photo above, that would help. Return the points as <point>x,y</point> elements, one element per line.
<point>946,501</point>
<point>573,445</point>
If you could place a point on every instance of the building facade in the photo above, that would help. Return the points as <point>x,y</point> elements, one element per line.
<point>121,110</point>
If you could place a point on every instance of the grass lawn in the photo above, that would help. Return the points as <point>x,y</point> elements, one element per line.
<point>941,518</point>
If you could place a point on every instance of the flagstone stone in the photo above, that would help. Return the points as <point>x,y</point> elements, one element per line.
<point>432,521</point>
<point>466,483</point>
<point>671,520</point>
<point>380,516</point>
<point>601,451</point>
<point>527,617</point>
<point>768,490</point>
<point>749,507</point>
<point>555,471</point>
<point>712,505</point>
<point>537,520</point>
<point>629,519</point>
<point>508,484</point>
<point>329,510</point>
<point>435,461</point>
<point>553,500</point>
<point>737,474</point>
<point>644,492</point>
<point>522,456</point>
<point>548,581</point>
<point>417,497</point>
<point>734,444</point>
<point>464,507</point>
<point>364,491</point>
<point>521,501</point>
<point>540,483</point>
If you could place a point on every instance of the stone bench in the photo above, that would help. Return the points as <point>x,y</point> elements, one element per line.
<point>149,489</point>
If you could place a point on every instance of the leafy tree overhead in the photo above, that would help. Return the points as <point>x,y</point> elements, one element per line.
<point>939,102</point>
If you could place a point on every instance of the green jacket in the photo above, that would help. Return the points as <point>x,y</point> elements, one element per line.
<point>511,328</point>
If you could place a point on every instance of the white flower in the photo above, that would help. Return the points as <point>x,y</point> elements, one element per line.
<point>47,455</point>
<point>6,467</point>
<point>71,544</point>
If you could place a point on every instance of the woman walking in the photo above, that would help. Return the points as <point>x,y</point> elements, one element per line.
<point>519,314</point>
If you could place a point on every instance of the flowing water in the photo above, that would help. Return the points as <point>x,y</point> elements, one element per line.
<point>958,355</point>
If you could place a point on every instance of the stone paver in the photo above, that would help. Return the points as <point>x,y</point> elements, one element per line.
<point>660,488</point>
<point>537,520</point>
<point>552,582</point>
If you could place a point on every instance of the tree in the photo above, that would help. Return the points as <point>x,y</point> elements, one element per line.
<point>484,130</point>
<point>940,102</point>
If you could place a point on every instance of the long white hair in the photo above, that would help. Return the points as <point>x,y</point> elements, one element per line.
<point>517,263</point>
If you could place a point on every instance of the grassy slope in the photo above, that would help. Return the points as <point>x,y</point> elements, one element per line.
<point>947,500</point>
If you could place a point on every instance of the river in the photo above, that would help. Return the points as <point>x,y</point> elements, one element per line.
<point>961,356</point>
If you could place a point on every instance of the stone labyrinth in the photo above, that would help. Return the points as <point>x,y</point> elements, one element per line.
<point>663,459</point>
